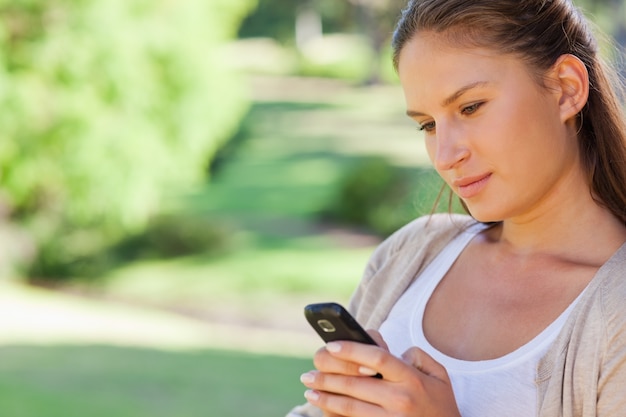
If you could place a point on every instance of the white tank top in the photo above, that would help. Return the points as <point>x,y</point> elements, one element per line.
<point>491,388</point>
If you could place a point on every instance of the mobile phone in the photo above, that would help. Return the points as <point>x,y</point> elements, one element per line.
<point>333,322</point>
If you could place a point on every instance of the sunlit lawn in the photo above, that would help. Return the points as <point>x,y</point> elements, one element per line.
<point>97,381</point>
<point>280,270</point>
<point>65,356</point>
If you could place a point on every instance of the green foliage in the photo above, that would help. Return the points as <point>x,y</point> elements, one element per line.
<point>356,39</point>
<point>371,185</point>
<point>105,105</point>
<point>165,236</point>
<point>381,197</point>
<point>276,18</point>
<point>272,18</point>
<point>173,235</point>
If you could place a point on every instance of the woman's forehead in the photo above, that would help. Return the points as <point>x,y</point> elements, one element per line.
<point>431,70</point>
<point>428,44</point>
<point>428,59</point>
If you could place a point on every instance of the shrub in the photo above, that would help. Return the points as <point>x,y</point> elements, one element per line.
<point>165,236</point>
<point>107,104</point>
<point>174,235</point>
<point>381,197</point>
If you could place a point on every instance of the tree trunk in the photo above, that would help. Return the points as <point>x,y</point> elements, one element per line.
<point>308,24</point>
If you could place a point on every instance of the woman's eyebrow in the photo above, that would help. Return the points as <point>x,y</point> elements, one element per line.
<point>452,97</point>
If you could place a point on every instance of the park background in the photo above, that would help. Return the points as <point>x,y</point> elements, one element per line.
<point>178,179</point>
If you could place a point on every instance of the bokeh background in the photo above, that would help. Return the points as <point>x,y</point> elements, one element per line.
<point>178,179</point>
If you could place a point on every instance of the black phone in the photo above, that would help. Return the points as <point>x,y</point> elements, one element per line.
<point>333,322</point>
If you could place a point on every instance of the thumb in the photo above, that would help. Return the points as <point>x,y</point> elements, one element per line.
<point>423,362</point>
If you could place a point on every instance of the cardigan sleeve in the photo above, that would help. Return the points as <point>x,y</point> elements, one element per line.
<point>611,399</point>
<point>584,372</point>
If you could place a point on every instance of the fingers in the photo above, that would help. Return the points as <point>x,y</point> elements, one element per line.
<point>367,359</point>
<point>359,387</point>
<point>324,361</point>
<point>413,385</point>
<point>342,395</point>
<point>341,406</point>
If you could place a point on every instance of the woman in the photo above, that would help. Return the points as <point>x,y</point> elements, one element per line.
<point>519,309</point>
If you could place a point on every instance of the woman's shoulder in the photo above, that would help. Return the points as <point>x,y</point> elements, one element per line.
<point>602,308</point>
<point>612,281</point>
<point>438,226</point>
<point>424,235</point>
<point>611,276</point>
<point>610,309</point>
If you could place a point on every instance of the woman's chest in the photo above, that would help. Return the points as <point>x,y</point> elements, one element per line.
<point>480,311</point>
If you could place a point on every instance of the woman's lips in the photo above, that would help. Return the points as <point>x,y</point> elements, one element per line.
<point>468,187</point>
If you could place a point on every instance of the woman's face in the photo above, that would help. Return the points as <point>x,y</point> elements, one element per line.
<point>493,134</point>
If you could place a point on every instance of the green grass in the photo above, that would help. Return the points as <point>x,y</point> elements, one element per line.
<point>284,270</point>
<point>99,381</point>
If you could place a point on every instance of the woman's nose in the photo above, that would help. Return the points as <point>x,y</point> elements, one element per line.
<point>450,148</point>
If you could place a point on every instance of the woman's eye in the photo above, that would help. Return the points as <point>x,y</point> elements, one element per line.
<point>472,108</point>
<point>426,127</point>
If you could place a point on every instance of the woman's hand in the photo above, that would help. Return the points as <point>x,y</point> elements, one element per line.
<point>415,386</point>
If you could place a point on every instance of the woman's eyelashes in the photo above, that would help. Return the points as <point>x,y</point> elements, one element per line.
<point>426,127</point>
<point>472,108</point>
<point>465,111</point>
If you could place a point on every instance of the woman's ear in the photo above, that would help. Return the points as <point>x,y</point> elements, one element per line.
<point>573,85</point>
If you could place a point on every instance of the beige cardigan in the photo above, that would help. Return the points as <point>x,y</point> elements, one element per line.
<point>583,373</point>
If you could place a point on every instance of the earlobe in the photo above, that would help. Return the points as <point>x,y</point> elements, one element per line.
<point>573,80</point>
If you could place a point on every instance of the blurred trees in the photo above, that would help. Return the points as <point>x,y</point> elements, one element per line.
<point>299,22</point>
<point>106,104</point>
<point>277,18</point>
<point>612,14</point>
<point>375,19</point>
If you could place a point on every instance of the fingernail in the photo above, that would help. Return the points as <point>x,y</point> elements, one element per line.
<point>364,370</point>
<point>333,347</point>
<point>311,395</point>
<point>307,378</point>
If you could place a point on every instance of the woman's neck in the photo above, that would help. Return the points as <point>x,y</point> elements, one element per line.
<point>585,232</point>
